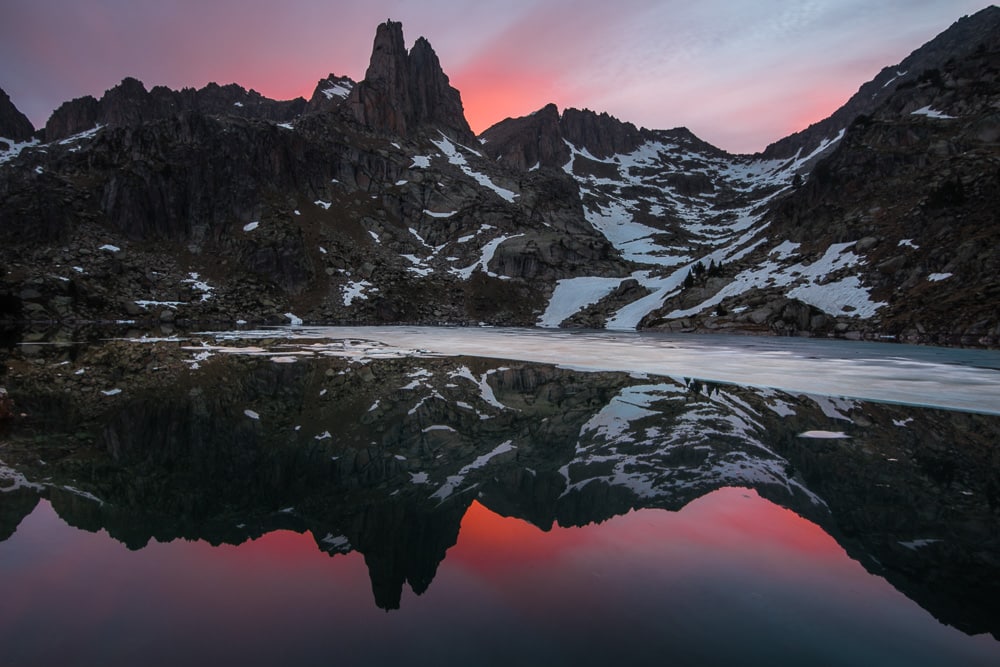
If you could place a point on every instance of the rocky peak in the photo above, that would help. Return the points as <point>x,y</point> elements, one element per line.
<point>330,93</point>
<point>405,91</point>
<point>130,104</point>
<point>522,143</point>
<point>13,124</point>
<point>601,134</point>
<point>964,37</point>
<point>540,138</point>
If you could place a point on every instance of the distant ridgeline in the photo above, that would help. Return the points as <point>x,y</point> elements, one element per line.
<point>374,202</point>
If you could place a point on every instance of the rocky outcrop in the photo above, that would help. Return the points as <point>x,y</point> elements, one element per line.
<point>330,93</point>
<point>602,135</point>
<point>966,36</point>
<point>529,141</point>
<point>13,124</point>
<point>920,191</point>
<point>403,92</point>
<point>130,104</point>
<point>540,139</point>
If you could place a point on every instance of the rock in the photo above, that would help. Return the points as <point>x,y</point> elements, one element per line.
<point>13,124</point>
<point>167,315</point>
<point>6,405</point>
<point>865,244</point>
<point>129,103</point>
<point>405,91</point>
<point>522,143</point>
<point>132,308</point>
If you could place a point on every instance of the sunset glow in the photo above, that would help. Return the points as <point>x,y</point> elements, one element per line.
<point>739,75</point>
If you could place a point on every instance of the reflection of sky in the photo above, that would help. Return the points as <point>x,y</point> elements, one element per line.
<point>731,579</point>
<point>739,74</point>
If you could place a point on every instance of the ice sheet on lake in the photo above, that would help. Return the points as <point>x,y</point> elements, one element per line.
<point>967,380</point>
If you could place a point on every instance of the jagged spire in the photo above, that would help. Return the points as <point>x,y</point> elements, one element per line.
<point>404,91</point>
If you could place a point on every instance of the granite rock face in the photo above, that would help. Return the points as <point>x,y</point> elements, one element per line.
<point>404,91</point>
<point>13,124</point>
<point>130,104</point>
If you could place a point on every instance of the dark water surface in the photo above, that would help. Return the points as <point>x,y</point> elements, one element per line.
<point>304,497</point>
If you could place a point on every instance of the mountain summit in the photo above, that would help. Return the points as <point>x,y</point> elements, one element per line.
<point>403,92</point>
<point>14,125</point>
<point>374,202</point>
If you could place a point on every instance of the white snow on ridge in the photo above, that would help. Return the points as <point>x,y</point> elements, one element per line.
<point>15,148</point>
<point>484,261</point>
<point>931,113</point>
<point>844,296</point>
<point>446,489</point>
<point>336,90</point>
<point>937,277</point>
<point>250,226</point>
<point>446,146</point>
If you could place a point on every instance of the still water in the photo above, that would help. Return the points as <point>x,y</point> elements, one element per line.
<point>421,496</point>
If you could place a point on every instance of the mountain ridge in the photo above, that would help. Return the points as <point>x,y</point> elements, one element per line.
<point>375,202</point>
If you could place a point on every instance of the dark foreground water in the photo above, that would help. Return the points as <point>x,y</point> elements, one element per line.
<point>404,497</point>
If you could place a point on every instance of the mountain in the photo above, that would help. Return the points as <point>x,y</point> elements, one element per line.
<point>959,41</point>
<point>373,201</point>
<point>14,125</point>
<point>130,104</point>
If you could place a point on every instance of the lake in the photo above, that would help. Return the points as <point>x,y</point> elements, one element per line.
<point>411,495</point>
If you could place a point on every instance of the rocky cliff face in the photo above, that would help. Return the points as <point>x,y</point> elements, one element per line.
<point>129,104</point>
<point>541,139</point>
<point>404,91</point>
<point>330,93</point>
<point>14,125</point>
<point>959,41</point>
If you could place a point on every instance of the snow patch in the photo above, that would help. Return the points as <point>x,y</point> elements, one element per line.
<point>451,151</point>
<point>931,113</point>
<point>572,295</point>
<point>824,435</point>
<point>336,90</point>
<point>355,290</point>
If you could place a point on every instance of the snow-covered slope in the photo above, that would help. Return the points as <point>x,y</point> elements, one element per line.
<point>670,206</point>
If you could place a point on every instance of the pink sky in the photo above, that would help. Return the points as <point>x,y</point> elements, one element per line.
<point>738,74</point>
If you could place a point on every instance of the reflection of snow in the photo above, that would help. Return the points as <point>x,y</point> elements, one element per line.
<point>453,481</point>
<point>950,379</point>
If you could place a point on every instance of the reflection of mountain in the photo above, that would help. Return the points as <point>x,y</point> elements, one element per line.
<point>385,457</point>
